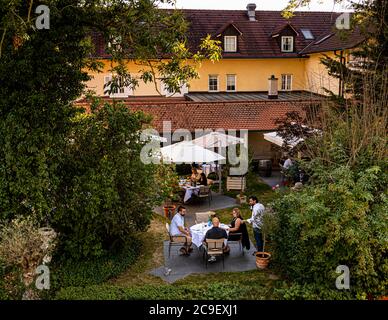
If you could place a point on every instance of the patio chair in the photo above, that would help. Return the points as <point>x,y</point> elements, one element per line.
<point>214,180</point>
<point>201,217</point>
<point>205,192</point>
<point>239,240</point>
<point>172,242</point>
<point>214,247</point>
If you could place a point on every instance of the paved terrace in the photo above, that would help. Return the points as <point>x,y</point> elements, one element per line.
<point>182,266</point>
<point>218,202</point>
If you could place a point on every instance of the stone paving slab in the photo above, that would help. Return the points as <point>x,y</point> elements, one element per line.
<point>182,266</point>
<point>218,202</point>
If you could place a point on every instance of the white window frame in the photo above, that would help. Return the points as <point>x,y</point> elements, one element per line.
<point>228,76</point>
<point>230,46</point>
<point>284,42</point>
<point>164,91</point>
<point>124,92</point>
<point>218,82</point>
<point>286,84</point>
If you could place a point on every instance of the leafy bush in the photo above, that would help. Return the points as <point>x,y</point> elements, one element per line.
<point>22,246</point>
<point>312,292</point>
<point>106,193</point>
<point>93,271</point>
<point>224,291</point>
<point>342,221</point>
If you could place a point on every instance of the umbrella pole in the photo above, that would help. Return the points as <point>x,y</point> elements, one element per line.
<point>220,179</point>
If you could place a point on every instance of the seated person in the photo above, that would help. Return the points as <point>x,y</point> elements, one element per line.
<point>238,226</point>
<point>216,233</point>
<point>202,179</point>
<point>195,176</point>
<point>179,232</point>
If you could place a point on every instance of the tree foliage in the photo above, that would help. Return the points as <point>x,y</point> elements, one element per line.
<point>58,164</point>
<point>340,221</point>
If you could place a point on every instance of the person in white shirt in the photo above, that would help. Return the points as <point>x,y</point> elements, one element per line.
<point>288,163</point>
<point>256,221</point>
<point>179,232</point>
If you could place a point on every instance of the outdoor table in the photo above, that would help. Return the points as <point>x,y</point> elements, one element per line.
<point>198,232</point>
<point>189,191</point>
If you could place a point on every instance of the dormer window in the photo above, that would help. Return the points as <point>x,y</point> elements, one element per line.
<point>230,43</point>
<point>287,44</point>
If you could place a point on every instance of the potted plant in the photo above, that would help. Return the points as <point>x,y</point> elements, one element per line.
<point>269,223</point>
<point>241,198</point>
<point>167,180</point>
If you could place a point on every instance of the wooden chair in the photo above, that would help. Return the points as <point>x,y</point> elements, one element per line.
<point>205,192</point>
<point>201,217</point>
<point>172,242</point>
<point>214,247</point>
<point>239,240</point>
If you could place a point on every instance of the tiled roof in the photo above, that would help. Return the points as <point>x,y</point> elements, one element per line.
<point>251,96</point>
<point>256,116</point>
<point>256,40</point>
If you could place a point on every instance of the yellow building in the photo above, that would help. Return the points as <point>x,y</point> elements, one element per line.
<point>269,67</point>
<point>256,45</point>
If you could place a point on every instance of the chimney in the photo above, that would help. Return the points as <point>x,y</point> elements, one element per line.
<point>251,7</point>
<point>272,87</point>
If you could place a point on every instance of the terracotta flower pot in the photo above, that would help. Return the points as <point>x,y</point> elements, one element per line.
<point>262,260</point>
<point>241,199</point>
<point>169,211</point>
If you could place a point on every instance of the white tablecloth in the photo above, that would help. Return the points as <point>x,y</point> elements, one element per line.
<point>199,230</point>
<point>189,191</point>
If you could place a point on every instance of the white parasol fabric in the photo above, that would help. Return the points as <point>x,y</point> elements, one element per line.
<point>188,152</point>
<point>217,139</point>
<point>278,140</point>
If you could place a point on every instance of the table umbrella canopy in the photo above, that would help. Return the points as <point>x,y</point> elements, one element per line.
<point>217,139</point>
<point>275,138</point>
<point>188,152</point>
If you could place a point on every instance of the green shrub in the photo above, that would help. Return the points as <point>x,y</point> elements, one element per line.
<point>11,288</point>
<point>312,292</point>
<point>93,271</point>
<point>340,222</point>
<point>107,192</point>
<point>215,291</point>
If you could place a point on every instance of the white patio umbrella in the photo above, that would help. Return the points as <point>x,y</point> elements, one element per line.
<point>157,138</point>
<point>219,140</point>
<point>275,138</point>
<point>188,152</point>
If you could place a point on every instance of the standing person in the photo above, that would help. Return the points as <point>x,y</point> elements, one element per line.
<point>256,221</point>
<point>288,163</point>
<point>285,167</point>
<point>179,232</point>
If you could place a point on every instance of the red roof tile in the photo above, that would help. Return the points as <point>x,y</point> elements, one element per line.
<point>255,116</point>
<point>256,40</point>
